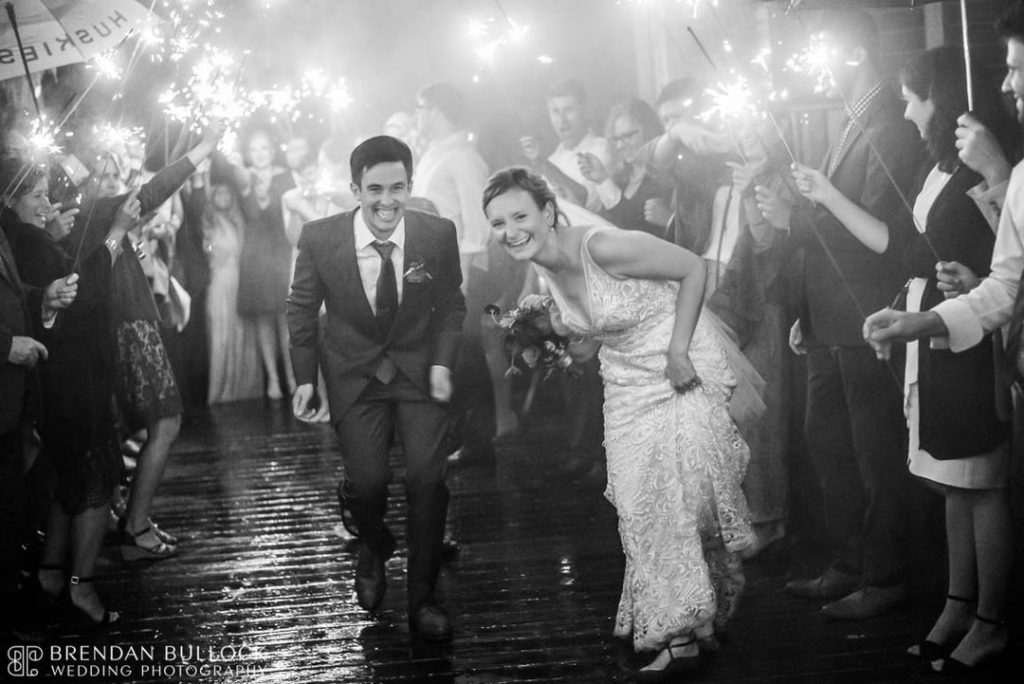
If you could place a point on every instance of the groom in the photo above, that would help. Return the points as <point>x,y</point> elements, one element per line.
<point>391,283</point>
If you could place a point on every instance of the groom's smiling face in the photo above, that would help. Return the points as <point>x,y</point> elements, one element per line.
<point>382,195</point>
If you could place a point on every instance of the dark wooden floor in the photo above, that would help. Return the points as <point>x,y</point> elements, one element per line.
<point>263,586</point>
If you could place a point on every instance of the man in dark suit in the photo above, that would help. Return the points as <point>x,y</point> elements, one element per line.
<point>854,422</point>
<point>391,282</point>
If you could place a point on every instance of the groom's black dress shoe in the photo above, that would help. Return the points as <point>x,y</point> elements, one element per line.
<point>431,623</point>
<point>370,581</point>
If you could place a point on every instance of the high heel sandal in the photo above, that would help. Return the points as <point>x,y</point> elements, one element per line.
<point>676,666</point>
<point>109,616</point>
<point>145,545</point>
<point>930,650</point>
<point>952,666</point>
<point>162,534</point>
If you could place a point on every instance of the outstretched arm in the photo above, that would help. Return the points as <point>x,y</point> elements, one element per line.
<point>633,254</point>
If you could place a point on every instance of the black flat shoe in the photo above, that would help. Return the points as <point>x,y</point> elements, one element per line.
<point>675,668</point>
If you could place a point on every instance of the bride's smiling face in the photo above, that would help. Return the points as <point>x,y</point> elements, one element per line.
<point>518,224</point>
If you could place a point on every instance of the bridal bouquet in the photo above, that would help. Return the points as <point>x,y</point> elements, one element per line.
<point>530,336</point>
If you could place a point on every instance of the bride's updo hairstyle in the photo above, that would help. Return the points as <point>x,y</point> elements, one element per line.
<point>522,178</point>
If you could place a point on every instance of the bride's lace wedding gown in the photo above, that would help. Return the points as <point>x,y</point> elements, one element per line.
<point>675,461</point>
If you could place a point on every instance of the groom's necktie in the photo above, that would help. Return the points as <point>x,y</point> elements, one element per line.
<point>387,305</point>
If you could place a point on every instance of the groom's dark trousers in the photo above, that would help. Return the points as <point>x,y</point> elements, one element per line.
<point>365,433</point>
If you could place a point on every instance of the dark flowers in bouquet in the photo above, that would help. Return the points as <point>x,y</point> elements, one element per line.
<point>530,336</point>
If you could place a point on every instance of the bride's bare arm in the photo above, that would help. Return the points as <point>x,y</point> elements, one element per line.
<point>633,254</point>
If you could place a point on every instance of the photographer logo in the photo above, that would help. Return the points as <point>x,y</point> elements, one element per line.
<point>20,660</point>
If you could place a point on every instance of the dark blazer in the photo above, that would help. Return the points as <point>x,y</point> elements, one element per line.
<point>830,317</point>
<point>957,391</point>
<point>18,385</point>
<point>427,327</point>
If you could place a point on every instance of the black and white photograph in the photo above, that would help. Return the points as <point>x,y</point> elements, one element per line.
<point>511,341</point>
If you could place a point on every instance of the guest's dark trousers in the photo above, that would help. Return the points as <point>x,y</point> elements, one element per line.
<point>365,434</point>
<point>856,438</point>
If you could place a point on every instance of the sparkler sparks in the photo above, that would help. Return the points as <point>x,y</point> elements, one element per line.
<point>816,62</point>
<point>42,138</point>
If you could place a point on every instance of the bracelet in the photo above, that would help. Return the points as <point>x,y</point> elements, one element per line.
<point>113,244</point>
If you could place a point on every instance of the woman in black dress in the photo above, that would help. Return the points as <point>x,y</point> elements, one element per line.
<point>79,428</point>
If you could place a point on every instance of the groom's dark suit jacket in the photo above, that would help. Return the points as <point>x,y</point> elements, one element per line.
<point>426,329</point>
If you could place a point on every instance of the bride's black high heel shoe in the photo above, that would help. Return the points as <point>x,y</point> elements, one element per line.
<point>930,650</point>
<point>676,666</point>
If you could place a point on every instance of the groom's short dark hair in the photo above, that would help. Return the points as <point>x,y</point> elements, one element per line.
<point>379,149</point>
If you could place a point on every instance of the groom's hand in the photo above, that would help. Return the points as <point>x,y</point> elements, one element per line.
<point>301,400</point>
<point>440,384</point>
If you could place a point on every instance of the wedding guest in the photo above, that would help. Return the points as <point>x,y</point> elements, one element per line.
<point>853,426</point>
<point>567,109</point>
<point>675,458</point>
<point>451,174</point>
<point>627,190</point>
<point>266,257</point>
<point>147,393</point>
<point>79,430</point>
<point>971,311</point>
<point>753,301</point>
<point>232,339</point>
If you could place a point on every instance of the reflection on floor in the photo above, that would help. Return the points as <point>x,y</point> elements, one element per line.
<point>262,591</point>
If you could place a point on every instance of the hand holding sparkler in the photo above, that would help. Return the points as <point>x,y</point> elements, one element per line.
<point>744,176</point>
<point>59,223</point>
<point>125,219</point>
<point>212,134</point>
<point>591,167</point>
<point>955,279</point>
<point>531,148</point>
<point>60,294</point>
<point>980,150</point>
<point>698,139</point>
<point>773,206</point>
<point>813,184</point>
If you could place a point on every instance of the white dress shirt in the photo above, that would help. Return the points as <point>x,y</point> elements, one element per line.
<point>452,175</point>
<point>368,258</point>
<point>565,160</point>
<point>990,305</point>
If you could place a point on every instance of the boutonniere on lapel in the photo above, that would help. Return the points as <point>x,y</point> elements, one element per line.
<point>417,272</point>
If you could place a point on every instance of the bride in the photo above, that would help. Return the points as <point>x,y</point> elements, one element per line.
<point>675,458</point>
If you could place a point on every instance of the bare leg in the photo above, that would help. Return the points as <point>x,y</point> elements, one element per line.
<point>266,334</point>
<point>55,550</point>
<point>956,616</point>
<point>150,471</point>
<point>993,539</point>
<point>87,529</point>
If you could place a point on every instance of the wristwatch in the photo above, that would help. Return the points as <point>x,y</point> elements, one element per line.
<point>113,244</point>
